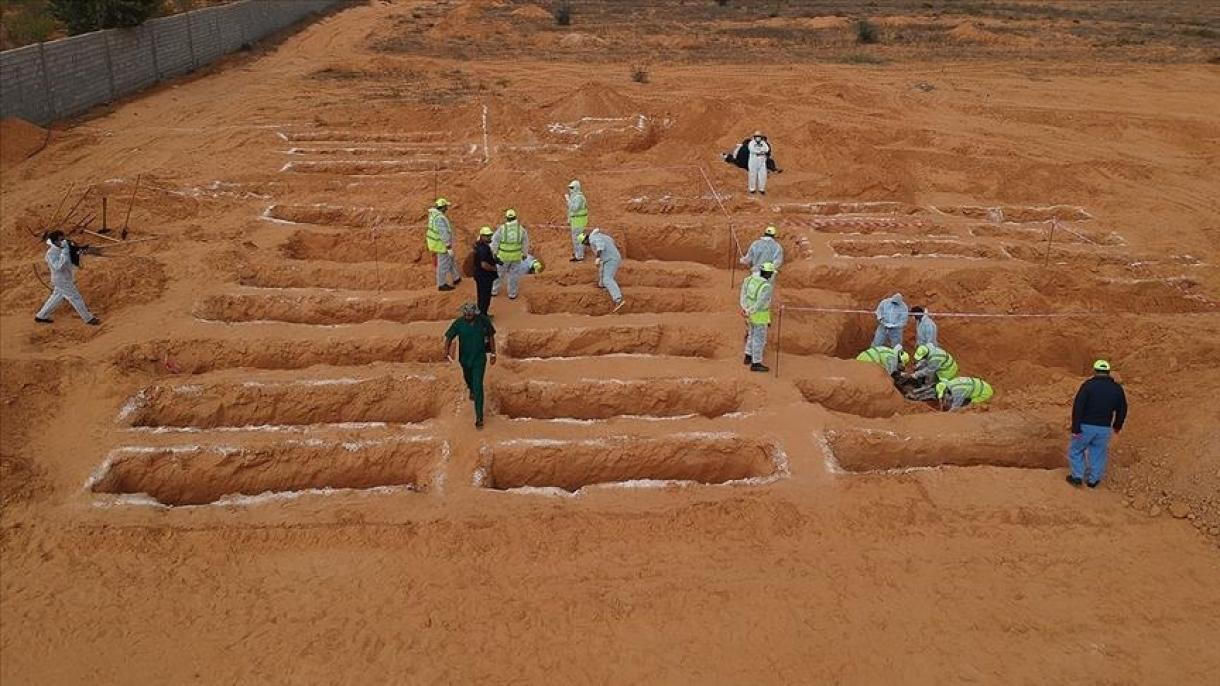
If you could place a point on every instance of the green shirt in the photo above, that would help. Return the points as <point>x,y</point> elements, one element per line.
<point>472,339</point>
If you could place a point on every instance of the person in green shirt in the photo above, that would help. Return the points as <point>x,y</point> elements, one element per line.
<point>476,341</point>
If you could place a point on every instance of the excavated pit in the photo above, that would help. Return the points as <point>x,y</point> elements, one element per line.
<point>668,204</point>
<point>594,399</point>
<point>324,309</point>
<point>363,137</point>
<point>398,399</point>
<point>341,215</point>
<point>1039,234</point>
<point>827,209</point>
<point>904,226</point>
<point>199,476</point>
<point>351,277</point>
<point>914,248</point>
<point>199,355</point>
<point>966,442</point>
<point>709,246</point>
<point>386,246</point>
<point>419,150</point>
<point>1018,213</point>
<point>573,465</point>
<point>597,302</point>
<point>632,274</point>
<point>593,341</point>
<point>871,398</point>
<point>377,167</point>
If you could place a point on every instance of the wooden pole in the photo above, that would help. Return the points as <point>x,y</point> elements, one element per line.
<point>131,203</point>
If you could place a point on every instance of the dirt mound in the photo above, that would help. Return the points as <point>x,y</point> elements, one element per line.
<point>19,139</point>
<point>594,99</point>
<point>532,12</point>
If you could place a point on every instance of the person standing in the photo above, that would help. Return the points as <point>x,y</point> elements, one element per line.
<point>63,281</point>
<point>440,244</point>
<point>765,249</point>
<point>758,148</point>
<point>484,267</point>
<point>892,316</point>
<point>608,261</point>
<point>476,337</point>
<point>510,243</point>
<point>756,308</point>
<point>925,328</point>
<point>1098,412</point>
<point>578,218</point>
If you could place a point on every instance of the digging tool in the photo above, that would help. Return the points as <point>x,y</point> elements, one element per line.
<point>105,228</point>
<point>100,235</point>
<point>72,211</point>
<point>61,203</point>
<point>130,204</point>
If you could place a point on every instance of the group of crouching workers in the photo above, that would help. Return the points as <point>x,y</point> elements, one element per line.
<point>936,375</point>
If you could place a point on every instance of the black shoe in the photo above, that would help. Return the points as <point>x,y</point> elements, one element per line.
<point>94,322</point>
<point>512,297</point>
<point>446,287</point>
<point>762,192</point>
<point>749,359</point>
<point>40,320</point>
<point>1092,484</point>
<point>759,367</point>
<point>1074,480</point>
<point>471,395</point>
<point>576,259</point>
<point>478,423</point>
<point>753,192</point>
<point>456,281</point>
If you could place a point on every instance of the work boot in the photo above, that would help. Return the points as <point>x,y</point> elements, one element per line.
<point>457,281</point>
<point>576,259</point>
<point>759,367</point>
<point>1092,484</point>
<point>40,320</point>
<point>749,359</point>
<point>94,322</point>
<point>478,423</point>
<point>1074,480</point>
<point>446,287</point>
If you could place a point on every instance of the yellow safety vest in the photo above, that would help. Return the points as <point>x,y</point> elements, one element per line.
<point>583,211</point>
<point>948,366</point>
<point>980,391</point>
<point>878,355</point>
<point>433,237</point>
<point>754,287</point>
<point>512,237</point>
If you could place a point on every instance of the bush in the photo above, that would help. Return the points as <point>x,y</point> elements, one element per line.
<point>563,14</point>
<point>82,16</point>
<point>22,28</point>
<point>860,58</point>
<point>866,32</point>
<point>639,74</point>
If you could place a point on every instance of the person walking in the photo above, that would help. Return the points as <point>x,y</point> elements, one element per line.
<point>765,249</point>
<point>756,309</point>
<point>1098,413</point>
<point>891,321</point>
<point>925,328</point>
<point>63,281</point>
<point>484,267</point>
<point>476,338</point>
<point>440,243</point>
<point>578,218</point>
<point>608,261</point>
<point>759,148</point>
<point>510,243</point>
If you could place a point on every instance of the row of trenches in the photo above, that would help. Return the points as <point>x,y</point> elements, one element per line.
<point>201,355</point>
<point>199,475</point>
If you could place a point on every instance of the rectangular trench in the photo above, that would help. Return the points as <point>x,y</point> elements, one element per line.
<point>591,341</point>
<point>398,399</point>
<point>199,355</point>
<point>591,399</point>
<point>914,248</point>
<point>327,309</point>
<point>573,465</point>
<point>195,475</point>
<point>597,302</point>
<point>1029,446</point>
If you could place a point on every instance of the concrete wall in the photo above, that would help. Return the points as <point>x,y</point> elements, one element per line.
<point>62,78</point>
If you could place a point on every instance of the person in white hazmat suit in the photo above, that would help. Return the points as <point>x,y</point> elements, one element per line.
<point>892,316</point>
<point>925,328</point>
<point>764,250</point>
<point>63,281</point>
<point>578,218</point>
<point>608,261</point>
<point>510,244</point>
<point>758,148</point>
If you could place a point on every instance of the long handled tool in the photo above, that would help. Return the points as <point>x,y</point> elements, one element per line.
<point>130,204</point>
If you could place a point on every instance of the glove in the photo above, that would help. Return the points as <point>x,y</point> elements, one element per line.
<point>597,261</point>
<point>449,252</point>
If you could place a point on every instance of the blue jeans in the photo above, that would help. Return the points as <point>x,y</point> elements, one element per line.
<point>1095,440</point>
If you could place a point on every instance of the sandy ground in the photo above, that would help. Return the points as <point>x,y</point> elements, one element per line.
<point>639,508</point>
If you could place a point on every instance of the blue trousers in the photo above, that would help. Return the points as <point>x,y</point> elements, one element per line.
<point>1094,440</point>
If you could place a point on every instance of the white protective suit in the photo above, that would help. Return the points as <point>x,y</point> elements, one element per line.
<point>63,283</point>
<point>763,250</point>
<point>892,314</point>
<point>757,171</point>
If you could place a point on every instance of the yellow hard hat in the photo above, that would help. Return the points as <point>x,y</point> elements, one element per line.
<point>441,202</point>
<point>767,267</point>
<point>486,231</point>
<point>922,352</point>
<point>770,231</point>
<point>537,268</point>
<point>1101,366</point>
<point>905,358</point>
<point>510,214</point>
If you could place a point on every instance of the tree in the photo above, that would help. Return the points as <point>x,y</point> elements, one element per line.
<point>82,16</point>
